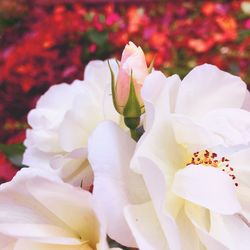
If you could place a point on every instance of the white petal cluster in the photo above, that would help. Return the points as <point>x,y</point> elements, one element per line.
<point>164,199</point>
<point>40,212</point>
<point>64,118</point>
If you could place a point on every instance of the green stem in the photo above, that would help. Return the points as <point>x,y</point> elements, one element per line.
<point>135,135</point>
<point>132,123</point>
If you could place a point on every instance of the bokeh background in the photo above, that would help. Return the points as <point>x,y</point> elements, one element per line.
<point>46,42</point>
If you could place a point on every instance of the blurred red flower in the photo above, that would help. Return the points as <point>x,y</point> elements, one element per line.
<point>7,170</point>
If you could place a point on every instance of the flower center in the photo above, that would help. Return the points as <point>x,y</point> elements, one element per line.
<point>211,159</point>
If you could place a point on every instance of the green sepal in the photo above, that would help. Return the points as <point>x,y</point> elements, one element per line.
<point>150,68</point>
<point>113,86</point>
<point>132,108</point>
<point>118,63</point>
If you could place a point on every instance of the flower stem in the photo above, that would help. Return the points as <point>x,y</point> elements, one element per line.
<point>135,135</point>
<point>133,125</point>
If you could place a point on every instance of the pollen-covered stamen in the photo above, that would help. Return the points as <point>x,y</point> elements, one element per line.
<point>208,158</point>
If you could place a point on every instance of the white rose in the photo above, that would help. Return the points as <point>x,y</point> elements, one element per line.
<point>39,211</point>
<point>64,118</point>
<point>193,203</point>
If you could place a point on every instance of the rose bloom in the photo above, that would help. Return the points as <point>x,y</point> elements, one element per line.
<point>40,212</point>
<point>185,184</point>
<point>64,118</point>
<point>133,64</point>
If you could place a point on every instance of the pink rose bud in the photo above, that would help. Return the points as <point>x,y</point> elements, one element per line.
<point>133,68</point>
